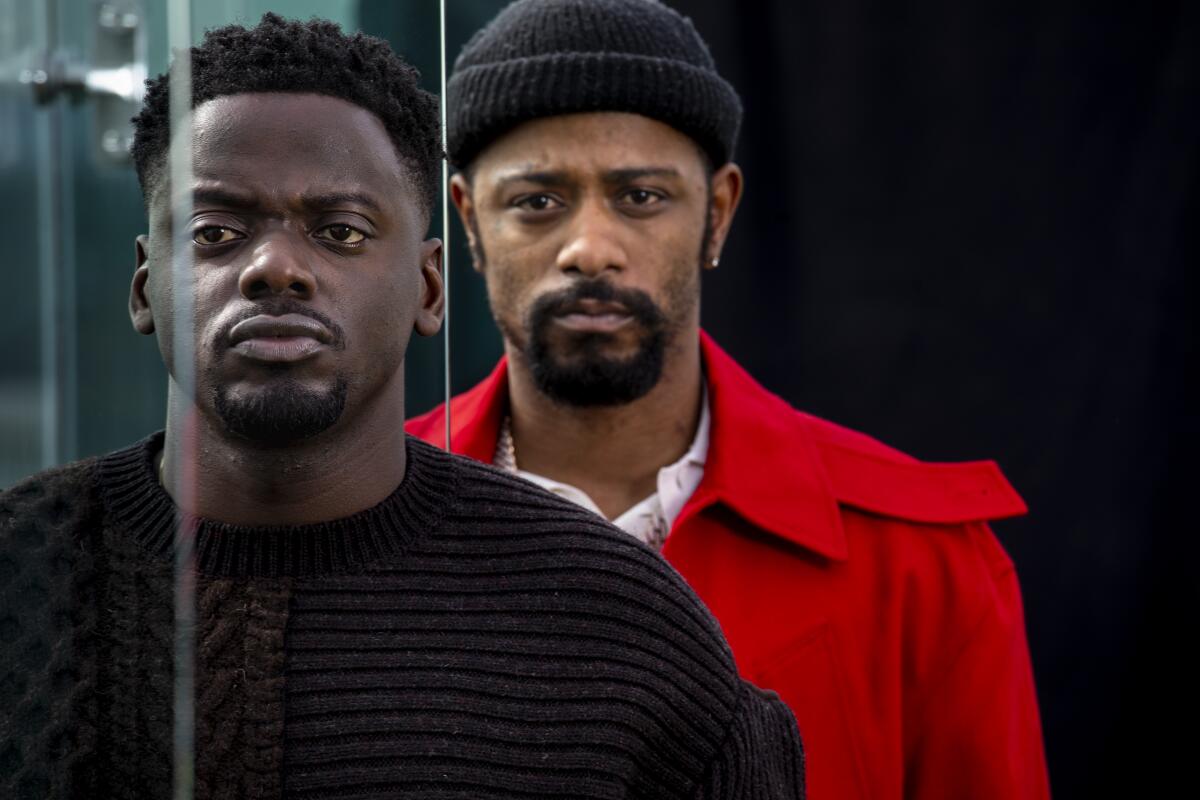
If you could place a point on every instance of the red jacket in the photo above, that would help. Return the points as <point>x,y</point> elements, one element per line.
<point>860,584</point>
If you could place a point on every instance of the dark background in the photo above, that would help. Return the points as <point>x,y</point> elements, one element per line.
<point>969,230</point>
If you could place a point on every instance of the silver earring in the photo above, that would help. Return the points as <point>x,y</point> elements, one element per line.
<point>715,261</point>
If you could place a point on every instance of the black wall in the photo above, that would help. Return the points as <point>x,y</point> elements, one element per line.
<point>970,230</point>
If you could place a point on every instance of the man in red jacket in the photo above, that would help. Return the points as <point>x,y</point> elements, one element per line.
<point>593,139</point>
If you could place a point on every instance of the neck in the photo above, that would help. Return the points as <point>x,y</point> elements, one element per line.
<point>215,474</point>
<point>612,453</point>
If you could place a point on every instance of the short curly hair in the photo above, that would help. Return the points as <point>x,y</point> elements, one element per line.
<point>280,55</point>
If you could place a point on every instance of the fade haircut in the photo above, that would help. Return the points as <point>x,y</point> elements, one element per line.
<point>280,55</point>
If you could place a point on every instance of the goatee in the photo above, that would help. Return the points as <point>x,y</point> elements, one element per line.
<point>584,376</point>
<point>282,413</point>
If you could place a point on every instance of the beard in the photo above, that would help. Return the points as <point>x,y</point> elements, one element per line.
<point>580,373</point>
<point>286,411</point>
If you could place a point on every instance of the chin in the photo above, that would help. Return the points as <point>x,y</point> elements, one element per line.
<point>282,413</point>
<point>593,377</point>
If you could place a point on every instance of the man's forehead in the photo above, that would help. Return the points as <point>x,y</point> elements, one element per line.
<point>256,149</point>
<point>308,193</point>
<point>228,108</point>
<point>297,131</point>
<point>594,143</point>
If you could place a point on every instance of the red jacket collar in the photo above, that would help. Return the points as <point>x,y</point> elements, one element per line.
<point>762,462</point>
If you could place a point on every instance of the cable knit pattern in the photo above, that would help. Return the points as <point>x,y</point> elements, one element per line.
<point>134,655</point>
<point>239,685</point>
<point>471,636</point>
<point>48,670</point>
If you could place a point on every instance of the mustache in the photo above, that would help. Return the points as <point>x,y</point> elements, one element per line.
<point>277,307</point>
<point>636,302</point>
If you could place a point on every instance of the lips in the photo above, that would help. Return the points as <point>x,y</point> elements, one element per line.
<point>282,339</point>
<point>590,315</point>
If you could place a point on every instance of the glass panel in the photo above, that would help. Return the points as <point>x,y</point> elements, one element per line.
<point>412,30</point>
<point>111,390</point>
<point>76,380</point>
<point>29,423</point>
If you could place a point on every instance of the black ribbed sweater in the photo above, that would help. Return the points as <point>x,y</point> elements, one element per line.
<point>469,637</point>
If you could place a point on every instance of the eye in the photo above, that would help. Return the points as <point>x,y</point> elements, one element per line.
<point>537,202</point>
<point>642,197</point>
<point>215,234</point>
<point>341,233</point>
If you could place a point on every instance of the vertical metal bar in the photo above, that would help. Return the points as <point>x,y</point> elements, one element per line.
<point>68,306</point>
<point>48,127</point>
<point>184,374</point>
<point>445,222</point>
<point>56,278</point>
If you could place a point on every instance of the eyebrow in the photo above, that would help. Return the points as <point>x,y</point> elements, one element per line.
<point>226,198</point>
<point>330,199</point>
<point>543,178</point>
<point>214,196</point>
<point>620,175</point>
<point>634,173</point>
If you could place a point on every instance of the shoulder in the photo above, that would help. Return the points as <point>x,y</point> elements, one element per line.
<point>514,508</point>
<point>56,517</point>
<point>759,437</point>
<point>866,474</point>
<point>49,524</point>
<point>48,500</point>
<point>926,524</point>
<point>488,498</point>
<point>528,531</point>
<point>920,538</point>
<point>45,555</point>
<point>526,518</point>
<point>550,565</point>
<point>486,492</point>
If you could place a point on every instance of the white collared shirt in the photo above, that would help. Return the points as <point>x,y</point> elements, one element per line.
<point>649,520</point>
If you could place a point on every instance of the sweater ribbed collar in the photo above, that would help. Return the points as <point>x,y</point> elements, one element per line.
<point>350,544</point>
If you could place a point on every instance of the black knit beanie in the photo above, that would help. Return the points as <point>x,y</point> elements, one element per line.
<point>541,58</point>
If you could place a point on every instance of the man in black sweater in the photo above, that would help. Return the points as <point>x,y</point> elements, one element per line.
<point>374,617</point>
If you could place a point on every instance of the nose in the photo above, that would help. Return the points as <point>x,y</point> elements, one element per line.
<point>277,267</point>
<point>593,243</point>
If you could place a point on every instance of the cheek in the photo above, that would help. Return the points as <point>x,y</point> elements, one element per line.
<point>511,284</point>
<point>212,291</point>
<point>384,317</point>
<point>678,264</point>
<point>516,260</point>
<point>682,292</point>
<point>502,290</point>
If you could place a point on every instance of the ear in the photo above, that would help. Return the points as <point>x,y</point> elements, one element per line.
<point>460,194</point>
<point>433,293</point>
<point>140,312</point>
<point>726,193</point>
